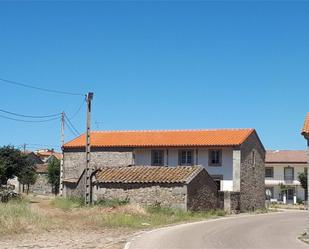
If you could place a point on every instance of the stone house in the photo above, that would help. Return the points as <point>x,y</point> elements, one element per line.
<point>305,133</point>
<point>184,187</point>
<point>282,167</point>
<point>41,185</point>
<point>234,158</point>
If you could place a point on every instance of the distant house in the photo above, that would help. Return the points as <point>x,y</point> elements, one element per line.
<point>305,133</point>
<point>41,185</point>
<point>47,154</point>
<point>282,168</point>
<point>234,158</point>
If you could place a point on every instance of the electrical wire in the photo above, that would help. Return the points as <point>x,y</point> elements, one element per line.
<point>40,88</point>
<point>29,116</point>
<point>71,124</point>
<point>29,121</point>
<point>71,129</point>
<point>78,110</point>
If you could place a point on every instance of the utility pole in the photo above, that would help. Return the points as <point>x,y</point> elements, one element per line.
<point>24,148</point>
<point>61,162</point>
<point>88,170</point>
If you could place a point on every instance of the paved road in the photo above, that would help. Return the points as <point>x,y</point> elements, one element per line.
<point>276,230</point>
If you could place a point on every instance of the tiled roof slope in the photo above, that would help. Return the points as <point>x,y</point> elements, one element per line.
<point>305,129</point>
<point>41,168</point>
<point>220,137</point>
<point>286,156</point>
<point>147,174</point>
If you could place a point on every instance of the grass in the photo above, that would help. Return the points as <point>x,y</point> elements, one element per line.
<point>137,217</point>
<point>67,204</point>
<point>29,215</point>
<point>16,216</point>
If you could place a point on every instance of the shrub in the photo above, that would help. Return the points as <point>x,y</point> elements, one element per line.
<point>112,202</point>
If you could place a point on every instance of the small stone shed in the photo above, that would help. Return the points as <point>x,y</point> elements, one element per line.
<point>185,187</point>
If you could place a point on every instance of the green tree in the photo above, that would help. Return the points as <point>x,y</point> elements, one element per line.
<point>54,174</point>
<point>12,161</point>
<point>27,176</point>
<point>302,177</point>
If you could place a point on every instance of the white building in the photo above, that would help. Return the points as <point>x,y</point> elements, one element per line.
<point>282,168</point>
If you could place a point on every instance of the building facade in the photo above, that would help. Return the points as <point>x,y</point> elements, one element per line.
<point>282,168</point>
<point>233,157</point>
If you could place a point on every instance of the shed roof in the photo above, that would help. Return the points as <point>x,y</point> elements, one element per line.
<point>157,138</point>
<point>286,156</point>
<point>147,174</point>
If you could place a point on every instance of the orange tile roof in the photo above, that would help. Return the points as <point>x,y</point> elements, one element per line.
<point>286,156</point>
<point>305,129</point>
<point>147,174</point>
<point>169,138</point>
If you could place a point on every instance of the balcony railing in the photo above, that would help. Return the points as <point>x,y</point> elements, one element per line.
<point>280,179</point>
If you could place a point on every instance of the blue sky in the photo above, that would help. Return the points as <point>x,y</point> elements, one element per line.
<point>157,65</point>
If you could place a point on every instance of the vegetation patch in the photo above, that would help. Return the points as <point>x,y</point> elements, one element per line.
<point>134,216</point>
<point>16,216</point>
<point>67,203</point>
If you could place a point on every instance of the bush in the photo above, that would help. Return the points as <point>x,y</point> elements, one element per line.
<point>7,193</point>
<point>112,202</point>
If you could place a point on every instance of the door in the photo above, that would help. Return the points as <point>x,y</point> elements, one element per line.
<point>290,194</point>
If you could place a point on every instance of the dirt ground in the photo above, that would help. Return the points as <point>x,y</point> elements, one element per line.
<point>66,240</point>
<point>69,231</point>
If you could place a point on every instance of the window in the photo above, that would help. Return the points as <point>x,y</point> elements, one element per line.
<point>157,157</point>
<point>289,174</point>
<point>215,158</point>
<point>186,157</point>
<point>269,172</point>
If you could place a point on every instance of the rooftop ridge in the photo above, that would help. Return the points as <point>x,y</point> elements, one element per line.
<point>175,130</point>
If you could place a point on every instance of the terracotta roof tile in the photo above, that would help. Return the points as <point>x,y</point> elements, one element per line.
<point>305,129</point>
<point>147,174</point>
<point>286,156</point>
<point>41,168</point>
<point>220,137</point>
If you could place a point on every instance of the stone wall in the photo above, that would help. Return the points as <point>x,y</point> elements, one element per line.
<point>74,160</point>
<point>75,189</point>
<point>41,185</point>
<point>252,174</point>
<point>202,193</point>
<point>165,195</point>
<point>229,201</point>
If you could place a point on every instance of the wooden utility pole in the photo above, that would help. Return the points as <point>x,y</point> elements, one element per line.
<point>88,170</point>
<point>61,162</point>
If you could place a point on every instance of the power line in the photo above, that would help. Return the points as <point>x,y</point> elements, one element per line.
<point>71,129</point>
<point>29,116</point>
<point>78,110</point>
<point>29,121</point>
<point>69,123</point>
<point>40,88</point>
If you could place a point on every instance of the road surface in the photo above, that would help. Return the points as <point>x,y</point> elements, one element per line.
<point>267,231</point>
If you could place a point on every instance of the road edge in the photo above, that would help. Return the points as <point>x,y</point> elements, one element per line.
<point>248,215</point>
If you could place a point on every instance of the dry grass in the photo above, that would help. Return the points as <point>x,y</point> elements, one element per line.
<point>17,217</point>
<point>70,214</point>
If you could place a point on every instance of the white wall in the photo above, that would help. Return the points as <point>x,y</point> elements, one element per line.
<point>143,157</point>
<point>279,178</point>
